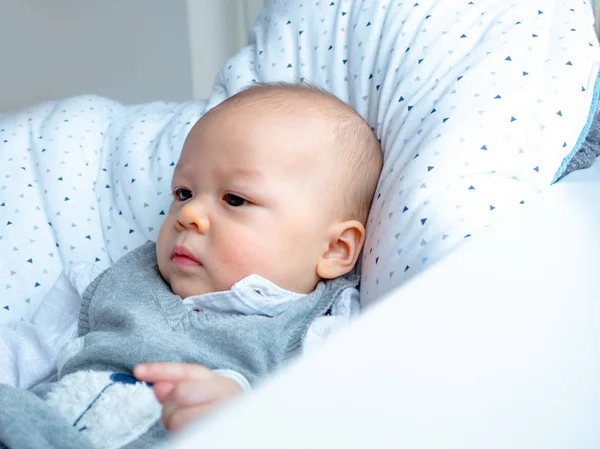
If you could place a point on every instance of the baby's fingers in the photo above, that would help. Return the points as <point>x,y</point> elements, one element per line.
<point>171,372</point>
<point>175,419</point>
<point>162,390</point>
<point>187,401</point>
<point>191,393</point>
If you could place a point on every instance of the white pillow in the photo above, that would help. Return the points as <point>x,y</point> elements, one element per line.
<point>479,106</point>
<point>81,180</point>
<point>48,214</point>
<point>87,179</point>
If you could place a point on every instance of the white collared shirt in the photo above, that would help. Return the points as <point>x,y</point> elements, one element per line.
<point>253,295</point>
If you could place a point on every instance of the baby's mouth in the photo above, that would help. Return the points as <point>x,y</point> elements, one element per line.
<point>183,258</point>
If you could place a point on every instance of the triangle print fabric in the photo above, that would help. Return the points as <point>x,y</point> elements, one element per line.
<point>478,104</point>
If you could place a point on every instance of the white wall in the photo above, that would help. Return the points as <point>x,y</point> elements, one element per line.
<point>218,28</point>
<point>130,50</point>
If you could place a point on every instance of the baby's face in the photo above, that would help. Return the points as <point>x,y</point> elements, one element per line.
<point>251,195</point>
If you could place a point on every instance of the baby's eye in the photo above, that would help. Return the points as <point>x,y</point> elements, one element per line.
<point>234,200</point>
<point>182,194</point>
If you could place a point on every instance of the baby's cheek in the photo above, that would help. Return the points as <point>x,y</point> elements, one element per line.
<point>161,249</point>
<point>244,256</point>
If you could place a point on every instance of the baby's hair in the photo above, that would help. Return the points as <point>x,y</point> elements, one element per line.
<point>358,149</point>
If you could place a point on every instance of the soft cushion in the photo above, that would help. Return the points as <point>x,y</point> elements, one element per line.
<point>85,179</point>
<point>477,104</point>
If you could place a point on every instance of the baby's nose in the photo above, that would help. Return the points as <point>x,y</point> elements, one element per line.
<point>193,216</point>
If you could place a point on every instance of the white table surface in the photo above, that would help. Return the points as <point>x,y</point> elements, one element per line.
<point>497,346</point>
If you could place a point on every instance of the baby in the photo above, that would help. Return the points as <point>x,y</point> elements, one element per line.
<point>270,199</point>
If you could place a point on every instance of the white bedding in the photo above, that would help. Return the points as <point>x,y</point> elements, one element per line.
<point>87,179</point>
<point>29,350</point>
<point>83,180</point>
<point>478,104</point>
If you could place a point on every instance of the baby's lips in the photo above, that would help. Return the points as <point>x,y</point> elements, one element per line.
<point>182,256</point>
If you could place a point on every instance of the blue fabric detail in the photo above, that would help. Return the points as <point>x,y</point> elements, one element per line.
<point>583,134</point>
<point>123,379</point>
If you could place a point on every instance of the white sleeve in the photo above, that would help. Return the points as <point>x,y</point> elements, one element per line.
<point>28,351</point>
<point>345,307</point>
<point>82,274</point>
<point>237,377</point>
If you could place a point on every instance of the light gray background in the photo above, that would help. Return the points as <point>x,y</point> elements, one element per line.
<point>129,50</point>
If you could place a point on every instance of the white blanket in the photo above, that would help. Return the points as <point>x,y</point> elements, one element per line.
<point>83,180</point>
<point>477,104</point>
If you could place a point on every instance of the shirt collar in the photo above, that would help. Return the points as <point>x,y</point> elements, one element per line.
<point>253,295</point>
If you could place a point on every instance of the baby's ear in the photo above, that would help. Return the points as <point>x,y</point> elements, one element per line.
<point>346,241</point>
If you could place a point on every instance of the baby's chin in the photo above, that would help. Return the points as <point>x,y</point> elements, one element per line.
<point>186,287</point>
<point>189,288</point>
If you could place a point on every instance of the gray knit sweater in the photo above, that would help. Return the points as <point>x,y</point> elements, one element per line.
<point>129,315</point>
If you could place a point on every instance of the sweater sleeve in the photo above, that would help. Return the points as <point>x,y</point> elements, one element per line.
<point>29,350</point>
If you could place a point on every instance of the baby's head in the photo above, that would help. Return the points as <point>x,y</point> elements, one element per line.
<point>275,181</point>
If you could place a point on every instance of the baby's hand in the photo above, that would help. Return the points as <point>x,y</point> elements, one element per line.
<point>186,391</point>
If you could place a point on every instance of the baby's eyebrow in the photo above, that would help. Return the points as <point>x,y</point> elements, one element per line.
<point>238,171</point>
<point>223,173</point>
